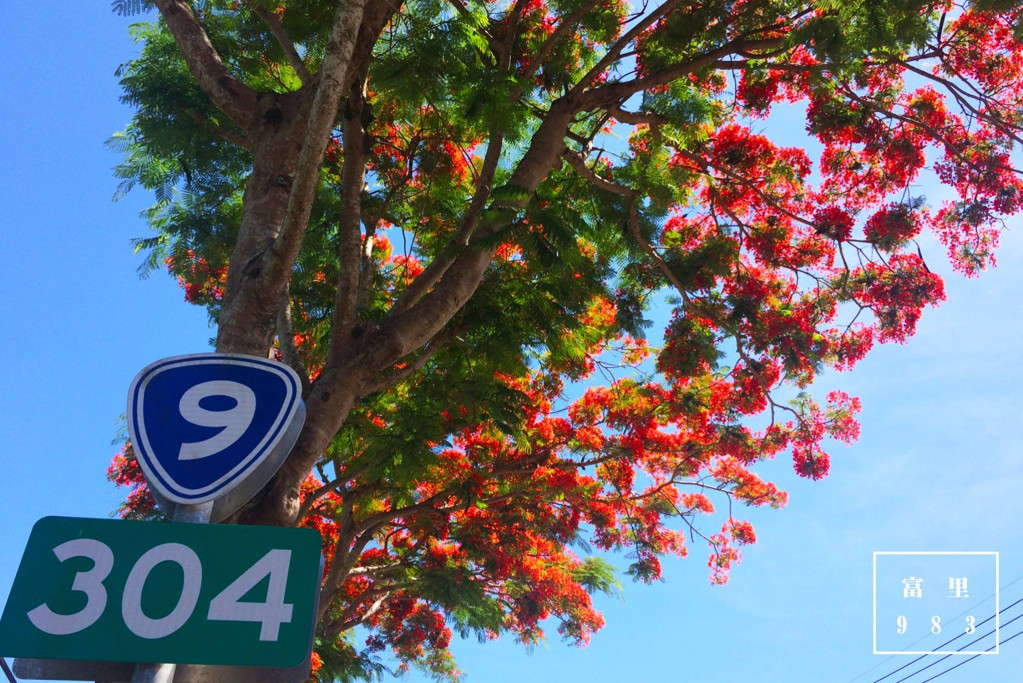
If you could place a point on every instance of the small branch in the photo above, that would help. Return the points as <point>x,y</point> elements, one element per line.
<point>495,45</point>
<point>286,342</point>
<point>577,162</point>
<point>615,51</point>
<point>341,566</point>
<point>748,184</point>
<point>220,131</point>
<point>652,253</point>
<point>460,240</point>
<point>347,619</point>
<point>952,148</point>
<point>290,53</point>
<point>566,24</point>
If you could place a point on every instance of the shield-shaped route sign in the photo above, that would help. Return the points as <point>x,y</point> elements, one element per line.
<point>203,425</point>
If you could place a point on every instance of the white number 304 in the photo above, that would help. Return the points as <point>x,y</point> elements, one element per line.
<point>226,606</point>
<point>233,421</point>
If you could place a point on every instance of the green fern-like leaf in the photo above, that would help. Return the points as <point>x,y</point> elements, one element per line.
<point>127,8</point>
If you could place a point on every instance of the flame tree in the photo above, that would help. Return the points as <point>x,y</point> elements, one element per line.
<point>449,215</point>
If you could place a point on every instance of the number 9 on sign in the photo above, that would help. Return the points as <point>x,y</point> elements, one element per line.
<point>233,422</point>
<point>204,425</point>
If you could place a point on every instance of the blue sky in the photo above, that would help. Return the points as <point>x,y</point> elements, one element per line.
<point>937,468</point>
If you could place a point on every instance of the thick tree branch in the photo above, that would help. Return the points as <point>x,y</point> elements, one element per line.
<point>408,330</point>
<point>332,396</point>
<point>353,177</point>
<point>366,267</point>
<point>511,32</point>
<point>331,81</point>
<point>637,118</point>
<point>412,367</point>
<point>229,94</point>
<point>264,254</point>
<point>375,17</point>
<point>615,51</point>
<point>606,95</point>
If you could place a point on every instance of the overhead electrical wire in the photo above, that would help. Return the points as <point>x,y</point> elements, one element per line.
<point>937,661</point>
<point>952,640</point>
<point>918,640</point>
<point>1018,633</point>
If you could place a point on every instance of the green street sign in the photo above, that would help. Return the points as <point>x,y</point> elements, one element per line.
<point>102,589</point>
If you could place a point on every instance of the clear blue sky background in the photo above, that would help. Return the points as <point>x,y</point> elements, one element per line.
<point>938,466</point>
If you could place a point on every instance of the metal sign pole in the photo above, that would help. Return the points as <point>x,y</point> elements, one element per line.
<point>7,671</point>
<point>193,514</point>
<point>164,673</point>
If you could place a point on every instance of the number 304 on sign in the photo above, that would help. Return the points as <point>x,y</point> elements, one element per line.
<point>138,591</point>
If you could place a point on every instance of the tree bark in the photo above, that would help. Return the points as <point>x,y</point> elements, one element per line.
<point>262,266</point>
<point>249,310</point>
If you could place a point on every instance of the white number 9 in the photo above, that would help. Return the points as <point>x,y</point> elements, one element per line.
<point>234,421</point>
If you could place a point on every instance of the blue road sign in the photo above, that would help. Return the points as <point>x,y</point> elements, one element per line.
<point>200,424</point>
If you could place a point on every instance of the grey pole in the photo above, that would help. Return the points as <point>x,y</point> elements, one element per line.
<point>193,514</point>
<point>7,671</point>
<point>164,673</point>
<point>154,673</point>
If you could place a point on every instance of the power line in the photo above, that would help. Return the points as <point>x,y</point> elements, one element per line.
<point>914,661</point>
<point>1019,633</point>
<point>918,640</point>
<point>960,650</point>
